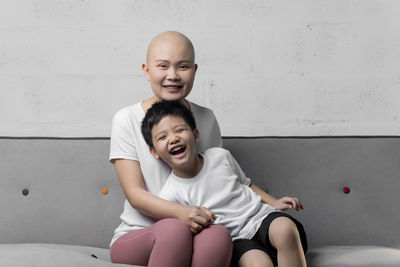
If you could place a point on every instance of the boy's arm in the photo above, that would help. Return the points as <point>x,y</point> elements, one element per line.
<point>284,203</point>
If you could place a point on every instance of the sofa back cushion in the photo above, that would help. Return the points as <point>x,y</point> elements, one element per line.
<point>51,190</point>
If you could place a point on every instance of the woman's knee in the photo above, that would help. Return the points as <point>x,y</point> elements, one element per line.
<point>172,231</point>
<point>283,233</point>
<point>219,232</point>
<point>212,247</point>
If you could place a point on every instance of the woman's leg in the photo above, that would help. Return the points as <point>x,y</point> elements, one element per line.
<point>285,237</point>
<point>212,247</point>
<point>167,243</point>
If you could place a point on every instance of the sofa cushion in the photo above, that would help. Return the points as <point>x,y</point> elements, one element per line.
<point>355,256</point>
<point>39,255</point>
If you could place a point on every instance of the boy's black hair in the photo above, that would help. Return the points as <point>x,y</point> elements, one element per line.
<point>162,109</point>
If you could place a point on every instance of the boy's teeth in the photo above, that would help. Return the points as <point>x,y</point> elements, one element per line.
<point>176,149</point>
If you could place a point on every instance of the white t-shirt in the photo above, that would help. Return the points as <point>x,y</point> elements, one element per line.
<point>127,142</point>
<point>223,188</point>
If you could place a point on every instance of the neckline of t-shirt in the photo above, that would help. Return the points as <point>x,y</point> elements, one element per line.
<point>193,179</point>
<point>144,113</point>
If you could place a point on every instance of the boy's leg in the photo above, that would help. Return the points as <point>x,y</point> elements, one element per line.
<point>284,239</point>
<point>167,243</point>
<point>249,253</point>
<point>284,236</point>
<point>212,247</point>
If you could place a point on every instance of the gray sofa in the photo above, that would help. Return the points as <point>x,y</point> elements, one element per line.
<point>54,211</point>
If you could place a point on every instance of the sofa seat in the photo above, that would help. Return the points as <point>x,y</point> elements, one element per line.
<point>39,255</point>
<point>354,256</point>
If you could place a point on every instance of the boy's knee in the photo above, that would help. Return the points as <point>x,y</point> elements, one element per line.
<point>283,232</point>
<point>255,258</point>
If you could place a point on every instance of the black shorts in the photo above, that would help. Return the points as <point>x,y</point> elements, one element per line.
<point>261,242</point>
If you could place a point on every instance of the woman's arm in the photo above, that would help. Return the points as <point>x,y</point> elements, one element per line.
<point>284,203</point>
<point>132,183</point>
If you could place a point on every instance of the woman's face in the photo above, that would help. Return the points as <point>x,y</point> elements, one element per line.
<point>170,68</point>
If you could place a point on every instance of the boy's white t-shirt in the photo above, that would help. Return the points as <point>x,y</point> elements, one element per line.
<point>127,142</point>
<point>223,188</point>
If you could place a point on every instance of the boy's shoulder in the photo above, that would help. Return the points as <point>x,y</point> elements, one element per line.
<point>217,152</point>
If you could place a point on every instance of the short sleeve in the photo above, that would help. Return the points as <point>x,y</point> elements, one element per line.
<point>122,143</point>
<point>207,124</point>
<point>217,131</point>
<point>242,178</point>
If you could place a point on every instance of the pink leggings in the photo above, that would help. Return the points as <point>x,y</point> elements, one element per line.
<point>170,243</point>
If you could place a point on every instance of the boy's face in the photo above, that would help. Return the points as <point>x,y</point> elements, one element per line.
<point>174,142</point>
<point>170,68</point>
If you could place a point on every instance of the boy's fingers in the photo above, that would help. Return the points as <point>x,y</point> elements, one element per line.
<point>285,206</point>
<point>299,205</point>
<point>294,203</point>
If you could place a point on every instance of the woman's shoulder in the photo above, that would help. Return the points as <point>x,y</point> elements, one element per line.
<point>129,112</point>
<point>200,110</point>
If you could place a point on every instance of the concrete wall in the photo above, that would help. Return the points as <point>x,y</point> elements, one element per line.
<point>265,67</point>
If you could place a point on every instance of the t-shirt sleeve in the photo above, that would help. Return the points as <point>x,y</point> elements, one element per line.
<point>242,178</point>
<point>210,133</point>
<point>217,131</point>
<point>122,143</point>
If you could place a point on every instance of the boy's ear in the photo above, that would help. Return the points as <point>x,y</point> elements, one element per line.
<point>196,134</point>
<point>145,69</point>
<point>154,153</point>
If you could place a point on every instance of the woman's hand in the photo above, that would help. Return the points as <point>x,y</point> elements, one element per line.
<point>286,203</point>
<point>196,218</point>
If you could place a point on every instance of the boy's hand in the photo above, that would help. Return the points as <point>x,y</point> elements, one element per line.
<point>286,203</point>
<point>197,218</point>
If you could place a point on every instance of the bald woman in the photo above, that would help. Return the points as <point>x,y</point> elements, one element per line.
<point>155,232</point>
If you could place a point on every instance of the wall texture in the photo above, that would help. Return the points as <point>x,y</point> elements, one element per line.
<point>265,67</point>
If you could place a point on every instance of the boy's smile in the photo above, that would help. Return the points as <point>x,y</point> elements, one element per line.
<point>174,142</point>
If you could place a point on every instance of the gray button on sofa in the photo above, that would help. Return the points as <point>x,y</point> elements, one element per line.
<point>60,199</point>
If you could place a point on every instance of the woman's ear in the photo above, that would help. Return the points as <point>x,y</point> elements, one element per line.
<point>154,153</point>
<point>196,134</point>
<point>145,69</point>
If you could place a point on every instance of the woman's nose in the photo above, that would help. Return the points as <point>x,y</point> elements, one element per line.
<point>172,74</point>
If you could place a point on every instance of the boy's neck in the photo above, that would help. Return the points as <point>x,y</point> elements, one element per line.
<point>190,170</point>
